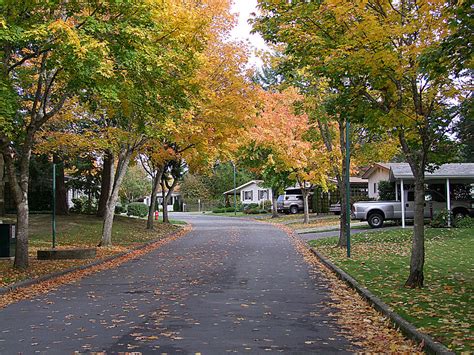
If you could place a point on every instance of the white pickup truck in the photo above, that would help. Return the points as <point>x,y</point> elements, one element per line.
<point>376,212</point>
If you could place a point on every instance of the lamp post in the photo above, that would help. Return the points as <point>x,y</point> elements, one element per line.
<point>347,182</point>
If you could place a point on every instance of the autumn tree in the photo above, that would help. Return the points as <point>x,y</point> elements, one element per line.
<point>383,52</point>
<point>284,128</point>
<point>47,56</point>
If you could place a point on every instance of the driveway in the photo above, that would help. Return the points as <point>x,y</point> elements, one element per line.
<point>231,285</point>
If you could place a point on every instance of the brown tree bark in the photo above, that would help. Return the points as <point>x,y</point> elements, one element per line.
<point>274,203</point>
<point>62,207</point>
<point>164,202</point>
<point>154,191</point>
<point>305,192</point>
<point>105,183</point>
<point>117,178</point>
<point>19,187</point>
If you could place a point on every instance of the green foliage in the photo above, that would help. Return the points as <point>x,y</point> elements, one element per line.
<point>222,179</point>
<point>135,185</point>
<point>120,209</point>
<point>386,191</point>
<point>177,207</point>
<point>464,222</point>
<point>440,219</point>
<point>84,205</point>
<point>193,187</point>
<point>137,209</point>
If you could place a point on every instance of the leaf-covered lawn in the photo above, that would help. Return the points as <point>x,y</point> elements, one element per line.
<point>78,231</point>
<point>444,308</point>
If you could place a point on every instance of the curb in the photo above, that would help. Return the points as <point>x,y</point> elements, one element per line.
<point>409,330</point>
<point>29,282</point>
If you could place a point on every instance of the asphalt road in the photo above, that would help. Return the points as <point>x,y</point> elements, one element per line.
<point>231,285</point>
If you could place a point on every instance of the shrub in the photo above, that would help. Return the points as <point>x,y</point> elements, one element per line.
<point>464,222</point>
<point>84,205</point>
<point>219,210</point>
<point>440,219</point>
<point>255,210</point>
<point>251,206</point>
<point>137,209</point>
<point>120,209</point>
<point>386,190</point>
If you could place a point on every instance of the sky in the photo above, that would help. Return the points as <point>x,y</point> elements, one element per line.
<point>242,31</point>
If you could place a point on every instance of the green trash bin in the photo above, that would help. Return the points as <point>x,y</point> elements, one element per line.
<point>7,240</point>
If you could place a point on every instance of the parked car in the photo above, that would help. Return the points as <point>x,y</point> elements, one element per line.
<point>290,203</point>
<point>335,208</point>
<point>376,212</point>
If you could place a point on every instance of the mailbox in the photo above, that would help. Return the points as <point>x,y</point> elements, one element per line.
<point>7,240</point>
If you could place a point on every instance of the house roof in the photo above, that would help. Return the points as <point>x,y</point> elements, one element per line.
<point>446,171</point>
<point>238,188</point>
<point>373,168</point>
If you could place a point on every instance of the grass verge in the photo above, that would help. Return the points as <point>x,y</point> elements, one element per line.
<point>444,308</point>
<point>78,231</point>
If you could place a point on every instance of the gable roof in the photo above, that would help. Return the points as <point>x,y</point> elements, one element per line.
<point>384,166</point>
<point>238,188</point>
<point>445,171</point>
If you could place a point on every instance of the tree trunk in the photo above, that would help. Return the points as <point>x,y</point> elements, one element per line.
<point>19,188</point>
<point>122,165</point>
<point>105,183</point>
<point>154,192</point>
<point>417,261</point>
<point>274,203</point>
<point>165,202</point>
<point>62,207</point>
<point>305,206</point>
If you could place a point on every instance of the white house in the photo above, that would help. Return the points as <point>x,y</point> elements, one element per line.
<point>376,173</point>
<point>251,192</point>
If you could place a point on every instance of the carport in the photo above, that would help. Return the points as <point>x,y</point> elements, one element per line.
<point>446,174</point>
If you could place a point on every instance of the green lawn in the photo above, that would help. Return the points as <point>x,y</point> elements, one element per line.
<point>444,308</point>
<point>78,231</point>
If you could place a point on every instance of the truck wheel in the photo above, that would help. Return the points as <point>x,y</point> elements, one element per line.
<point>459,213</point>
<point>294,209</point>
<point>375,220</point>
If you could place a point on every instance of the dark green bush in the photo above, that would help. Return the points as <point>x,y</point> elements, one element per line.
<point>440,219</point>
<point>120,209</point>
<point>219,210</point>
<point>137,209</point>
<point>464,222</point>
<point>386,191</point>
<point>84,205</point>
<point>255,210</point>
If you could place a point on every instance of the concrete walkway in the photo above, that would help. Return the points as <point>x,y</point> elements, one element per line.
<point>231,285</point>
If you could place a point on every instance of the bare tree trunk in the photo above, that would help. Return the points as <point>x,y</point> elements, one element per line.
<point>165,202</point>
<point>20,194</point>
<point>62,207</point>
<point>274,203</point>
<point>417,260</point>
<point>342,186</point>
<point>105,183</point>
<point>154,192</point>
<point>122,165</point>
<point>2,185</point>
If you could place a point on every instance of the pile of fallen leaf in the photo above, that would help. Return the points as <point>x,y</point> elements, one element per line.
<point>49,285</point>
<point>366,328</point>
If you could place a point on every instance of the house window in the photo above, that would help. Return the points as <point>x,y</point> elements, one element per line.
<point>375,187</point>
<point>248,195</point>
<point>262,195</point>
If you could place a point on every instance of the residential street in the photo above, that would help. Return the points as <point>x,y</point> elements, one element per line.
<point>231,285</point>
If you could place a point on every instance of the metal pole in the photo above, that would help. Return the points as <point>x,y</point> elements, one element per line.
<point>235,192</point>
<point>402,189</point>
<point>348,188</point>
<point>53,219</point>
<point>448,201</point>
